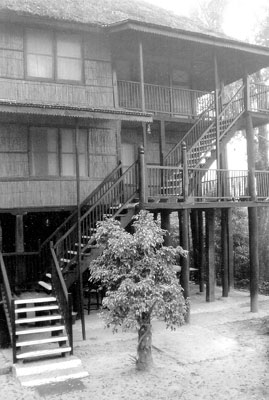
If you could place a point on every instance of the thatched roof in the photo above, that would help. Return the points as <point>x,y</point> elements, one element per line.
<point>103,12</point>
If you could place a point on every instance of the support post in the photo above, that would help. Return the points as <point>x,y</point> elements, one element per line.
<point>19,234</point>
<point>162,141</point>
<point>195,238</point>
<point>185,181</point>
<point>165,224</point>
<point>217,90</point>
<point>252,218</point>
<point>210,245</point>
<point>142,178</point>
<point>230,249</point>
<point>79,266</point>
<point>142,81</point>
<point>201,250</point>
<point>185,272</point>
<point>224,253</point>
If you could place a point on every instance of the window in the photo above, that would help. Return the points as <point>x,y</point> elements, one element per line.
<point>53,56</point>
<point>44,148</point>
<point>39,54</point>
<point>53,152</point>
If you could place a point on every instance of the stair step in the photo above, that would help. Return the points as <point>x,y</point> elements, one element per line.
<point>36,300</point>
<point>54,339</point>
<point>81,244</point>
<point>34,309</point>
<point>37,319</point>
<point>48,275</point>
<point>38,330</point>
<point>45,285</point>
<point>41,353</point>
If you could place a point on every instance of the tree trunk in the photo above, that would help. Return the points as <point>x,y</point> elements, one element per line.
<point>144,356</point>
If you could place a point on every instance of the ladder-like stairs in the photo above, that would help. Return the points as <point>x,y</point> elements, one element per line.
<point>39,327</point>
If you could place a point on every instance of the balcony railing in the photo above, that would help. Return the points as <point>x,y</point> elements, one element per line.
<point>164,99</point>
<point>204,184</point>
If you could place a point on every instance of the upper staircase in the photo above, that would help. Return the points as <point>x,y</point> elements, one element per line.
<point>201,139</point>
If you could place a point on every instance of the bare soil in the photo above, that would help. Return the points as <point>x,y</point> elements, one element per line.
<point>222,354</point>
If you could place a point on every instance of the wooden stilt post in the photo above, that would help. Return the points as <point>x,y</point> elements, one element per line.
<point>165,224</point>
<point>185,272</point>
<point>195,238</point>
<point>19,235</point>
<point>252,218</point>
<point>201,250</point>
<point>80,279</point>
<point>210,245</point>
<point>224,252</point>
<point>230,249</point>
<point>142,178</point>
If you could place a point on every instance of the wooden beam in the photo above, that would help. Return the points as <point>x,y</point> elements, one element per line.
<point>210,245</point>
<point>184,242</point>
<point>230,249</point>
<point>252,218</point>
<point>201,250</point>
<point>162,141</point>
<point>19,234</point>
<point>224,253</point>
<point>79,266</point>
<point>142,81</point>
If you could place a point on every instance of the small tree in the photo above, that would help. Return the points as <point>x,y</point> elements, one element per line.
<point>139,276</point>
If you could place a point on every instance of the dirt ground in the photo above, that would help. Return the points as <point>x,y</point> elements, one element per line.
<point>222,355</point>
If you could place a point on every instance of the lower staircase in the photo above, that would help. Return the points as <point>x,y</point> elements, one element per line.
<point>39,327</point>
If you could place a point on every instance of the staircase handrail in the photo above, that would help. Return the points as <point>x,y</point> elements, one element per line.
<point>210,108</point>
<point>72,219</point>
<point>10,304</point>
<point>98,202</point>
<point>63,297</point>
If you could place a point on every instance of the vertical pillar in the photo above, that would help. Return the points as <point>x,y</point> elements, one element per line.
<point>195,238</point>
<point>115,87</point>
<point>185,181</point>
<point>1,237</point>
<point>252,218</point>
<point>184,242</point>
<point>224,253</point>
<point>162,141</point>
<point>210,245</point>
<point>80,282</point>
<point>230,249</point>
<point>19,235</point>
<point>201,250</point>
<point>165,224</point>
<point>142,178</point>
<point>217,90</point>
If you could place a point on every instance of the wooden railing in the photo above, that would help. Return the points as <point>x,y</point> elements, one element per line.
<point>205,184</point>
<point>9,302</point>
<point>71,221</point>
<point>63,297</point>
<point>109,204</point>
<point>163,99</point>
<point>259,97</point>
<point>192,136</point>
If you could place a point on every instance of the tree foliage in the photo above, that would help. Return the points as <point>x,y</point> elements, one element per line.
<point>139,276</point>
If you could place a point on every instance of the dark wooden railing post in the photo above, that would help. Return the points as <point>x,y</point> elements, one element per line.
<point>246,92</point>
<point>143,198</point>
<point>13,329</point>
<point>185,181</point>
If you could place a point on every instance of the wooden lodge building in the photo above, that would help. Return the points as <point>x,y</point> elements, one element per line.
<point>85,84</point>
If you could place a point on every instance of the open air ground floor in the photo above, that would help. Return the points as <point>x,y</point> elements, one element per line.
<point>222,354</point>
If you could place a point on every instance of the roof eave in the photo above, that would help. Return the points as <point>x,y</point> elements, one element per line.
<point>187,35</point>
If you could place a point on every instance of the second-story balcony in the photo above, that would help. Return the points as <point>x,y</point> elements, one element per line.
<point>182,102</point>
<point>176,102</point>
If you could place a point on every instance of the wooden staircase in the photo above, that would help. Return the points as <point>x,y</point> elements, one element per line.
<point>201,138</point>
<point>115,197</point>
<point>39,328</point>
